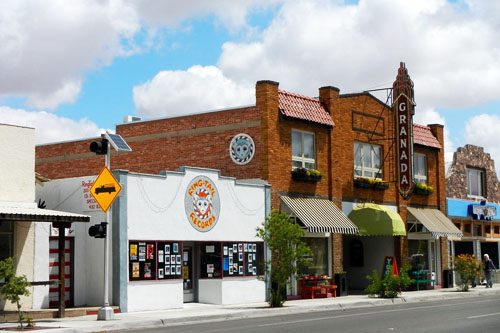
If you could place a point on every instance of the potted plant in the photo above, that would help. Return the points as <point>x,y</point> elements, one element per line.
<point>306,175</point>
<point>423,189</point>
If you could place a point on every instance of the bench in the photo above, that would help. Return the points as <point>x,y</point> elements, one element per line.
<point>317,288</point>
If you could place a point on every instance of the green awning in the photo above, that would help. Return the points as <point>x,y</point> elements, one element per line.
<point>376,220</point>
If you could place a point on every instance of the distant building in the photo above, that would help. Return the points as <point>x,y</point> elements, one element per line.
<point>473,192</point>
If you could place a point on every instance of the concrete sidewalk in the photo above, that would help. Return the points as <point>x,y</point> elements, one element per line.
<point>195,312</point>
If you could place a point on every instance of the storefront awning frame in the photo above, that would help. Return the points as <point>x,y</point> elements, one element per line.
<point>438,224</point>
<point>319,215</point>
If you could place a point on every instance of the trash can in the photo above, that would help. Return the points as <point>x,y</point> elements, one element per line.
<point>448,278</point>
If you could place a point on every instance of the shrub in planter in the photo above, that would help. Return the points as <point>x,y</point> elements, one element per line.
<point>390,286</point>
<point>469,268</point>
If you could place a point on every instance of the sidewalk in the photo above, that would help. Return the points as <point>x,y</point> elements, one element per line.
<point>195,312</point>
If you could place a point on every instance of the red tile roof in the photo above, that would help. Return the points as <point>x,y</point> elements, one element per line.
<point>422,135</point>
<point>303,107</point>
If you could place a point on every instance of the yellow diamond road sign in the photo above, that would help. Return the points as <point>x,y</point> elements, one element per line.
<point>105,189</point>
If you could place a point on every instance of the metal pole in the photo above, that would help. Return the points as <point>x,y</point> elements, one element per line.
<point>106,312</point>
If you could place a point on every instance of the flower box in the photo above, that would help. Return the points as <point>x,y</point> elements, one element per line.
<point>371,183</point>
<point>423,189</point>
<point>306,175</point>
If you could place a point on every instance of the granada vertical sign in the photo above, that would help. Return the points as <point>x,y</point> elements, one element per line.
<point>403,107</point>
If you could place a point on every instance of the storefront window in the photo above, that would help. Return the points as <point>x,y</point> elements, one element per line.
<point>211,257</point>
<point>242,259</point>
<point>319,264</point>
<point>6,235</point>
<point>367,161</point>
<point>419,254</point>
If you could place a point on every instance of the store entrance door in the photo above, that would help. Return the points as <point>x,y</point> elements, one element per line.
<point>188,273</point>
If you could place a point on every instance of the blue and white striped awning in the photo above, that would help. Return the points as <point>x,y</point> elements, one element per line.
<point>319,215</point>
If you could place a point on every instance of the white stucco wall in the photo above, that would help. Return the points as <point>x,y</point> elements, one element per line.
<point>165,294</point>
<point>156,208</point>
<point>68,195</point>
<point>17,167</point>
<point>17,189</point>
<point>156,211</point>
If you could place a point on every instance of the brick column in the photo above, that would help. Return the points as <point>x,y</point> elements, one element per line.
<point>267,101</point>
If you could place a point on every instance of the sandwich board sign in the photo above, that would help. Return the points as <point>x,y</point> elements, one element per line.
<point>105,189</point>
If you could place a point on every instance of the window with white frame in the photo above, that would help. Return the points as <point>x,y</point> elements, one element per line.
<point>475,182</point>
<point>367,160</point>
<point>420,168</point>
<point>303,150</point>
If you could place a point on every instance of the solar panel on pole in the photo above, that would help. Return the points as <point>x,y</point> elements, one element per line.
<point>117,142</point>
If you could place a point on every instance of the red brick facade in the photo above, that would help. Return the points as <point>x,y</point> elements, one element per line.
<point>203,140</point>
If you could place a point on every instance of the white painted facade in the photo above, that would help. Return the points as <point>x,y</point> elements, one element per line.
<point>152,207</point>
<point>17,189</point>
<point>69,195</point>
<point>156,211</point>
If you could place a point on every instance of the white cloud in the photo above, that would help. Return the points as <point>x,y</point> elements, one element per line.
<point>198,89</point>
<point>49,127</point>
<point>47,46</point>
<point>452,51</point>
<point>230,13</point>
<point>483,131</point>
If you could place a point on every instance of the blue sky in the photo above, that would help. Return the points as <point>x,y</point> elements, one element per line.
<point>74,69</point>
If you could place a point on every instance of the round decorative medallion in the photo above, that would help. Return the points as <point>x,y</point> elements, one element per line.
<point>202,203</point>
<point>241,149</point>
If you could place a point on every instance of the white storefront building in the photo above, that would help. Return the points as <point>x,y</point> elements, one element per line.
<point>183,236</point>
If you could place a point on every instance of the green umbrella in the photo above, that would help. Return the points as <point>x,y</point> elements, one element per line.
<point>376,220</point>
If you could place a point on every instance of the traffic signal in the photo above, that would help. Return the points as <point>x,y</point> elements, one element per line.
<point>99,147</point>
<point>98,230</point>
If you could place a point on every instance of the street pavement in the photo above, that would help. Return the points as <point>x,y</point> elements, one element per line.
<point>198,313</point>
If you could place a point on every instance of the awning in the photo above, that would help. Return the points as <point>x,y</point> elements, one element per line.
<point>319,215</point>
<point>376,220</point>
<point>39,215</point>
<point>435,221</point>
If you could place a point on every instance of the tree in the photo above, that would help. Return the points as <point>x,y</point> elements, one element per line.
<point>14,286</point>
<point>284,239</point>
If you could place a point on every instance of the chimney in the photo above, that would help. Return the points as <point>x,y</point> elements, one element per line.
<point>327,96</point>
<point>131,119</point>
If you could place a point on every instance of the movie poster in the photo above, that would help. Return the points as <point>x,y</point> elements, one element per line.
<point>135,270</point>
<point>133,252</point>
<point>147,270</point>
<point>142,252</point>
<point>150,252</point>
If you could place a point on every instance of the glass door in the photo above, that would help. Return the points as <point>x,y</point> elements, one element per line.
<point>188,273</point>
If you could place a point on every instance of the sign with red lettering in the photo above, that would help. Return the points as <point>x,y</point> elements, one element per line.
<point>202,203</point>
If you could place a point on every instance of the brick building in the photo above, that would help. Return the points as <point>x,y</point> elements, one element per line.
<point>473,192</point>
<point>349,138</point>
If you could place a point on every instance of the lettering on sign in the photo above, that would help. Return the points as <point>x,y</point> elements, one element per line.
<point>88,201</point>
<point>403,112</point>
<point>404,145</point>
<point>202,203</point>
